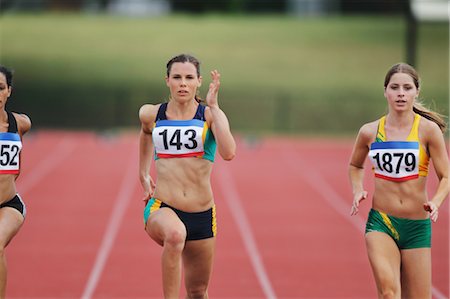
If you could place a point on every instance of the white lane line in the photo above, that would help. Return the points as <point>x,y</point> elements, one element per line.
<point>231,195</point>
<point>46,165</point>
<point>120,206</point>
<point>330,195</point>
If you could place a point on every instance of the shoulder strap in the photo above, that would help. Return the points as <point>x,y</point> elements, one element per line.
<point>161,112</point>
<point>12,123</point>
<point>200,113</point>
<point>381,134</point>
<point>414,134</point>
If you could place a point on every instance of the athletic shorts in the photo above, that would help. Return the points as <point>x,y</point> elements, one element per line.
<point>199,225</point>
<point>407,233</point>
<point>16,203</point>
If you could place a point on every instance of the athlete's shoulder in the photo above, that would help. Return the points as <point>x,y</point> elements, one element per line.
<point>369,130</point>
<point>429,129</point>
<point>23,122</point>
<point>148,112</point>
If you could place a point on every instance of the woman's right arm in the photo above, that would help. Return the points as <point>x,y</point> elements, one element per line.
<point>147,115</point>
<point>356,167</point>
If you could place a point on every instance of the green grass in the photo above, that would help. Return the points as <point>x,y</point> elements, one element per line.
<point>297,75</point>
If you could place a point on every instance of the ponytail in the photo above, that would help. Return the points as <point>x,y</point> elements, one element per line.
<point>198,99</point>
<point>417,107</point>
<point>430,115</point>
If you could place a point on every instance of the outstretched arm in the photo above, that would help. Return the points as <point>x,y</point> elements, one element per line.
<point>219,121</point>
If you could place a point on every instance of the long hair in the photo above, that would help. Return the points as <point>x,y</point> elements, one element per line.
<point>418,107</point>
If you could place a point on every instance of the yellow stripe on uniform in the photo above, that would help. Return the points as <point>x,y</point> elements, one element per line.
<point>388,223</point>
<point>155,206</point>
<point>205,130</point>
<point>214,221</point>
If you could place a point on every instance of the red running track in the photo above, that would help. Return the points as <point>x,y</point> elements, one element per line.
<point>284,225</point>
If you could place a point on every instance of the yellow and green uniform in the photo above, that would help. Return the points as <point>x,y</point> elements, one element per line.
<point>399,160</point>
<point>407,233</point>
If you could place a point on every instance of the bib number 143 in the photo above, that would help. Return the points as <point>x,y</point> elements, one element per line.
<point>176,139</point>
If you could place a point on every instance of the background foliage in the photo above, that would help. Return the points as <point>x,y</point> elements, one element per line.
<point>321,75</point>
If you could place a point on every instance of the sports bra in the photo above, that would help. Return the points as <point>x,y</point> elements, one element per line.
<point>10,148</point>
<point>183,138</point>
<point>399,160</point>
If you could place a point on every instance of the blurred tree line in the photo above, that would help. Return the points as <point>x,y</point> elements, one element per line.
<point>227,6</point>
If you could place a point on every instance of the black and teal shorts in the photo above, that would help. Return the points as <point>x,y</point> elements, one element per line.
<point>199,225</point>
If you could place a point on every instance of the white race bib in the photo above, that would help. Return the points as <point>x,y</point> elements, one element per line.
<point>178,138</point>
<point>10,147</point>
<point>395,160</point>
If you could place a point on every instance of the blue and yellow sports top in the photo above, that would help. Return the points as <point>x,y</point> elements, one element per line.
<point>399,160</point>
<point>10,148</point>
<point>183,138</point>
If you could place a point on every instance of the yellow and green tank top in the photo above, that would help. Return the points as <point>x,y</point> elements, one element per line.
<point>399,160</point>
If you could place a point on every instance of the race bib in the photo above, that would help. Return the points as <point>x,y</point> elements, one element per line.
<point>179,138</point>
<point>395,160</point>
<point>10,147</point>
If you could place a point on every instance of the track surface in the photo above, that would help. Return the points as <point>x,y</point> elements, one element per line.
<point>284,225</point>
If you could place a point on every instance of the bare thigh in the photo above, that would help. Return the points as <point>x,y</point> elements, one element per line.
<point>416,273</point>
<point>10,222</point>
<point>198,258</point>
<point>385,259</point>
<point>165,223</point>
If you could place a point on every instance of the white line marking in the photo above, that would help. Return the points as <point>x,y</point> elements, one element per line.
<point>233,201</point>
<point>53,159</point>
<point>332,197</point>
<point>125,191</point>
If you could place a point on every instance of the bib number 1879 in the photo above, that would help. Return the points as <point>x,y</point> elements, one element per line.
<point>386,161</point>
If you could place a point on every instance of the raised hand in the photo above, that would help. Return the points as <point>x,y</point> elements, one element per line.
<point>211,97</point>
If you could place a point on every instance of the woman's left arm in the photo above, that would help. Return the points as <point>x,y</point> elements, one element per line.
<point>219,121</point>
<point>439,156</point>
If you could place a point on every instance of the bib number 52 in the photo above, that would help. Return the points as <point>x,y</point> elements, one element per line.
<point>8,155</point>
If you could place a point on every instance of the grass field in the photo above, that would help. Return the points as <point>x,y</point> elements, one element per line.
<point>297,75</point>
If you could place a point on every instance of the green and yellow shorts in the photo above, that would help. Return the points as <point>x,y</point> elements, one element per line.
<point>407,233</point>
<point>199,225</point>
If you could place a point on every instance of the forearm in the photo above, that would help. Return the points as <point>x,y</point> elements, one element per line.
<point>356,175</point>
<point>222,133</point>
<point>441,192</point>
<point>145,155</point>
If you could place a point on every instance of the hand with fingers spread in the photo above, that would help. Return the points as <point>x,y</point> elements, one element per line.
<point>432,208</point>
<point>211,97</point>
<point>359,196</point>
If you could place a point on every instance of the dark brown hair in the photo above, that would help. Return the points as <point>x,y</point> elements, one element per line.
<point>418,107</point>
<point>8,74</point>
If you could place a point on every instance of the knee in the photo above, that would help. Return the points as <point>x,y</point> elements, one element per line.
<point>197,292</point>
<point>388,292</point>
<point>174,240</point>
